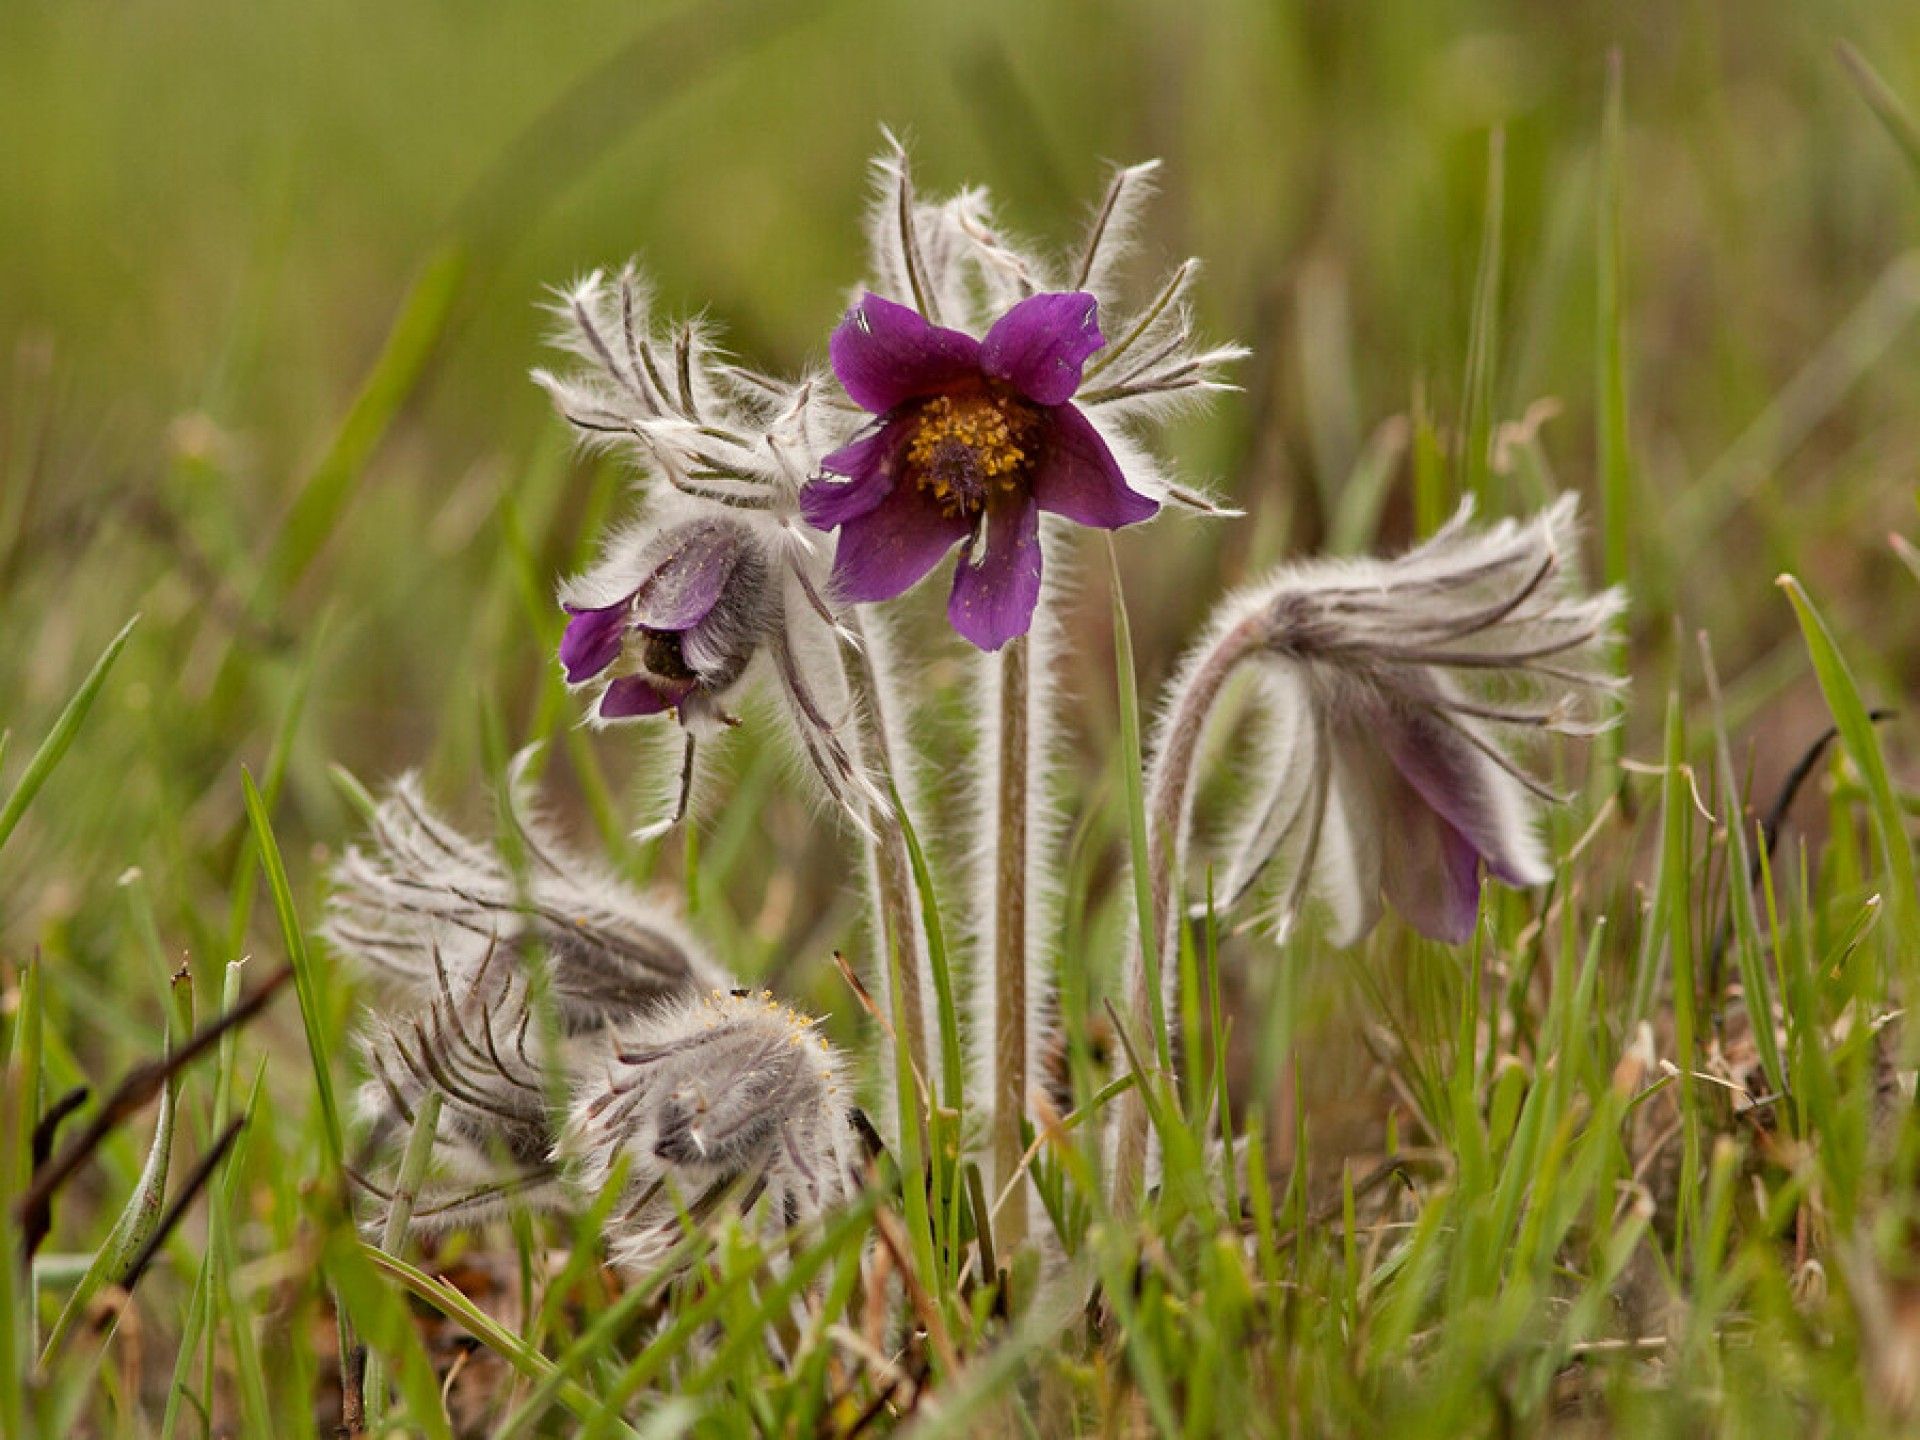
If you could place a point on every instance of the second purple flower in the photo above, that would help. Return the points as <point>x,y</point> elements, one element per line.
<point>974,438</point>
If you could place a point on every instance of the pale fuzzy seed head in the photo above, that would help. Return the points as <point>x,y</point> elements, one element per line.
<point>424,899</point>
<point>1396,695</point>
<point>729,1100</point>
<point>478,1047</point>
<point>454,933</point>
<point>717,1096</point>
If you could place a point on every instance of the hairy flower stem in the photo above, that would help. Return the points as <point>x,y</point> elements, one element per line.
<point>896,920</point>
<point>1012,799</point>
<point>1169,818</point>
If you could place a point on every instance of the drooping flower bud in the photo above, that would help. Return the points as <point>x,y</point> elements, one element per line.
<point>1395,692</point>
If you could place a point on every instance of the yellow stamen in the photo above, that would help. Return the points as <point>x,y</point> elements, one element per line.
<point>986,429</point>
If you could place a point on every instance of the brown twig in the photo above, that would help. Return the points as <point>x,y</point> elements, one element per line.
<point>193,1185</point>
<point>127,1099</point>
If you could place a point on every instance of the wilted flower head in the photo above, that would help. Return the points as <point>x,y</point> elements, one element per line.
<point>467,941</point>
<point>731,1098</point>
<point>672,618</point>
<point>974,437</point>
<point>1396,691</point>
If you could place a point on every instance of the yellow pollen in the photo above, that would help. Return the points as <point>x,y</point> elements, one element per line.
<point>976,422</point>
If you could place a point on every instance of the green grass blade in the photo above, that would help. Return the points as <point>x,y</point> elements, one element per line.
<point>1432,494</point>
<point>1615,458</point>
<point>453,1304</point>
<point>944,1130</point>
<point>1478,398</point>
<point>61,736</point>
<point>219,1196</point>
<point>393,1230</point>
<point>1887,107</point>
<point>1676,920</point>
<point>1746,918</point>
<point>279,754</point>
<point>130,1231</point>
<point>380,1314</point>
<point>1356,516</point>
<point>952,1068</point>
<point>1862,742</point>
<point>226,1308</point>
<point>915,1130</point>
<point>691,1319</point>
<point>305,978</point>
<point>1133,772</point>
<point>396,373</point>
<point>20,1084</point>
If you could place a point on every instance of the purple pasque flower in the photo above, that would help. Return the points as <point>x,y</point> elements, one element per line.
<point>688,614</point>
<point>974,438</point>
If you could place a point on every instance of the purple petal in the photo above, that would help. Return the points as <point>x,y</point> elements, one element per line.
<point>1078,477</point>
<point>871,465</point>
<point>1466,789</point>
<point>592,640</point>
<point>885,551</point>
<point>690,566</point>
<point>634,695</point>
<point>994,592</point>
<point>1040,345</point>
<point>885,353</point>
<point>1430,871</point>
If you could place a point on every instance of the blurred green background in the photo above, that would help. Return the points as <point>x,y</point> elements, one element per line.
<point>270,286</point>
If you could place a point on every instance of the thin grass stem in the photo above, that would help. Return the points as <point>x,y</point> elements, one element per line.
<point>1012,798</point>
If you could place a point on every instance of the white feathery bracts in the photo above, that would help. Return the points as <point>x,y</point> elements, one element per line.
<point>727,438</point>
<point>959,267</point>
<point>718,587</point>
<point>561,1021</point>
